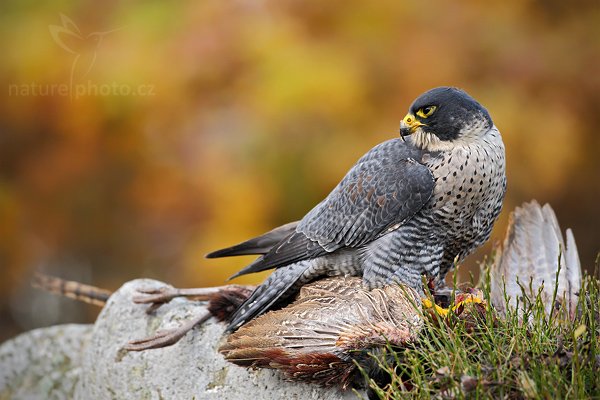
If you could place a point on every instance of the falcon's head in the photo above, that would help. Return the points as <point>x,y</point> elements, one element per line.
<point>443,117</point>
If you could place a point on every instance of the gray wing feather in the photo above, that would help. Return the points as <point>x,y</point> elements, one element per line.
<point>259,245</point>
<point>383,189</point>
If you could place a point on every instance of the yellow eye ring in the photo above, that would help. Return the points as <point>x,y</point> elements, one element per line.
<point>426,111</point>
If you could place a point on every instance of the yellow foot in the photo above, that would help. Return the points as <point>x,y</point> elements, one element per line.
<point>463,299</point>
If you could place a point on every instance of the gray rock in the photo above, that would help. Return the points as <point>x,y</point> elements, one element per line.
<point>87,362</point>
<point>43,363</point>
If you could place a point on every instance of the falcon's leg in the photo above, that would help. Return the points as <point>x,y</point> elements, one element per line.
<point>222,303</point>
<point>442,294</point>
<point>462,299</point>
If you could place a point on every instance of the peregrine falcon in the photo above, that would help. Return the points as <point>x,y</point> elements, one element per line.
<point>411,206</point>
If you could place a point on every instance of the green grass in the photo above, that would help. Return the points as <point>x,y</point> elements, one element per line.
<point>552,357</point>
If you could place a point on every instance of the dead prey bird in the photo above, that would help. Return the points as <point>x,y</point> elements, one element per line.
<point>333,329</point>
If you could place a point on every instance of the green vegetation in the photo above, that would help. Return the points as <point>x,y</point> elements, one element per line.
<point>486,355</point>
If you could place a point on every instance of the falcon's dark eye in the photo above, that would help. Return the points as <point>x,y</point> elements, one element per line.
<point>426,111</point>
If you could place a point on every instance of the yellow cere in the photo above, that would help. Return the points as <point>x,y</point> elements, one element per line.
<point>409,119</point>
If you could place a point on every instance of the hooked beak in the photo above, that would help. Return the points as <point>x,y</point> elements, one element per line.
<point>409,125</point>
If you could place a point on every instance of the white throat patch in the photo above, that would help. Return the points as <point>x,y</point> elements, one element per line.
<point>468,135</point>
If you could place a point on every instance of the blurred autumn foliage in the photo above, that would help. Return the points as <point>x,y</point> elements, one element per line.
<point>137,136</point>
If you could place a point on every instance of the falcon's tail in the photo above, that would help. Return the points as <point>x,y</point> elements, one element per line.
<point>279,286</point>
<point>259,245</point>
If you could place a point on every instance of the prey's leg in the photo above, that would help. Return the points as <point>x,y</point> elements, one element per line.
<point>157,297</point>
<point>167,337</point>
<point>222,303</point>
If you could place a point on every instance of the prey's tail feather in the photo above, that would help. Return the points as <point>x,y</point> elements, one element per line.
<point>259,245</point>
<point>280,285</point>
<point>71,289</point>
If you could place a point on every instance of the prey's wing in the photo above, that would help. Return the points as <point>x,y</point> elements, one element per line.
<point>385,188</point>
<point>535,258</point>
<point>333,323</point>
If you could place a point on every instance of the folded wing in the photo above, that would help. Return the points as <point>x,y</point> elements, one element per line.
<point>385,188</point>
